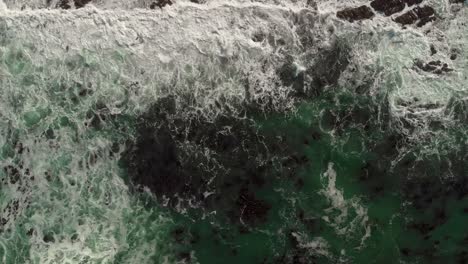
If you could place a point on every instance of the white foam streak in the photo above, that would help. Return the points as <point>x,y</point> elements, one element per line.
<point>348,216</point>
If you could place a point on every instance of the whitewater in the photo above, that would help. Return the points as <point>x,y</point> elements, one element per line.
<point>75,84</point>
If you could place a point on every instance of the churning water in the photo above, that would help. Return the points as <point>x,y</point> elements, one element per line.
<point>233,131</point>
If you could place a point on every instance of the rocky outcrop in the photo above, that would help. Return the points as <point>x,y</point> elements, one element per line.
<point>436,67</point>
<point>390,7</point>
<point>355,14</point>
<point>67,4</point>
<point>418,15</point>
<point>160,4</point>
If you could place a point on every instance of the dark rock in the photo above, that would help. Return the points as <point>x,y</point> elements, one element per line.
<point>355,14</point>
<point>66,4</point>
<point>421,15</point>
<point>436,67</point>
<point>160,4</point>
<point>390,7</point>
<point>81,3</point>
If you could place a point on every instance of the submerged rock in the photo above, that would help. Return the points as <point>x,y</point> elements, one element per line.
<point>217,165</point>
<point>153,160</point>
<point>355,14</point>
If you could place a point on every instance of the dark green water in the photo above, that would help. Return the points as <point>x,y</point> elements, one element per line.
<point>345,201</point>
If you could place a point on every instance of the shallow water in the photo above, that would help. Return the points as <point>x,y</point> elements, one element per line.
<point>232,132</point>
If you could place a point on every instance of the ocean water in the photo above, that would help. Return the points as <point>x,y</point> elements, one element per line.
<point>232,132</point>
